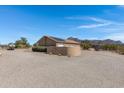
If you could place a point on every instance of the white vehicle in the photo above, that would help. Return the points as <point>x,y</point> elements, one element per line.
<point>11,46</point>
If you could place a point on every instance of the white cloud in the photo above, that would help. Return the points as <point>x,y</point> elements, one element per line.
<point>100,20</point>
<point>99,23</point>
<point>87,18</point>
<point>93,25</point>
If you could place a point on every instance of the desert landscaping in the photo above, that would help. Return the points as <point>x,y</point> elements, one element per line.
<point>24,68</point>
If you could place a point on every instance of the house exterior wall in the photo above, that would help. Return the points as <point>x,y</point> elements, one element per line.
<point>46,42</point>
<point>67,44</point>
<point>59,44</point>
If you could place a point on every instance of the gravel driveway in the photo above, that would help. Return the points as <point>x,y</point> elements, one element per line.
<point>22,68</point>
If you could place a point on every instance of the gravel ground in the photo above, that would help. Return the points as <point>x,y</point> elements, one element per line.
<point>25,69</point>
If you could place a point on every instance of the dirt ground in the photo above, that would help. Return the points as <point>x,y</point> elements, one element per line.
<point>25,69</point>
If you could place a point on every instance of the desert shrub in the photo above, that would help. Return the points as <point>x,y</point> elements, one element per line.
<point>86,45</point>
<point>96,47</point>
<point>113,47</point>
<point>120,50</point>
<point>109,47</point>
<point>39,49</point>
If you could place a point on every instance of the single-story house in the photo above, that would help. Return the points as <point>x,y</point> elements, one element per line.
<point>58,42</point>
<point>60,46</point>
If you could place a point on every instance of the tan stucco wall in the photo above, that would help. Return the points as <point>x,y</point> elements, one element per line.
<point>46,42</point>
<point>66,51</point>
<point>74,51</point>
<point>57,50</point>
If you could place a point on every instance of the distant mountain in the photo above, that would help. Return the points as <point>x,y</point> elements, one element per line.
<point>107,41</point>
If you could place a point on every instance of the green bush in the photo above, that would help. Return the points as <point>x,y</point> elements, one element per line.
<point>39,49</point>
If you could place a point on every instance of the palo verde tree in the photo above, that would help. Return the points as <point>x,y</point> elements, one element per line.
<point>22,43</point>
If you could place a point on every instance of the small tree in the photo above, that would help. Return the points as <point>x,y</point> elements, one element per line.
<point>22,43</point>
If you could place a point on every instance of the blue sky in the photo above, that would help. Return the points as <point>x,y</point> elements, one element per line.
<point>84,22</point>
